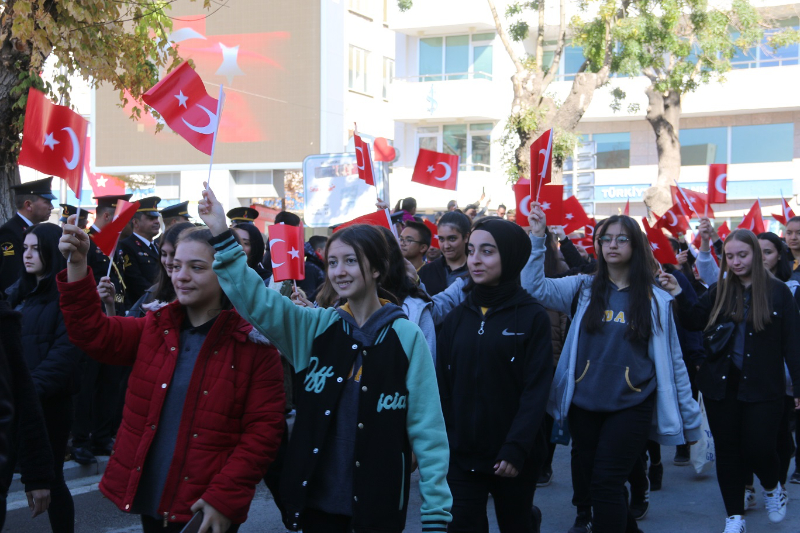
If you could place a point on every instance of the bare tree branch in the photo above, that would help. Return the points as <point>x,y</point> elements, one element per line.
<point>501,31</point>
<point>540,37</point>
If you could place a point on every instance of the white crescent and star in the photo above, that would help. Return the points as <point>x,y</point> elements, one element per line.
<point>50,142</point>
<point>181,99</point>
<point>230,66</point>
<point>363,163</point>
<point>101,181</point>
<point>546,206</point>
<point>569,216</point>
<point>589,231</point>
<point>76,152</point>
<point>447,172</point>
<point>271,244</point>
<point>207,129</point>
<point>674,218</point>
<point>525,206</point>
<point>294,253</point>
<point>718,184</point>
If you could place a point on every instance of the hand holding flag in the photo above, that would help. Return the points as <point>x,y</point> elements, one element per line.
<point>287,252</point>
<point>541,162</point>
<point>107,238</point>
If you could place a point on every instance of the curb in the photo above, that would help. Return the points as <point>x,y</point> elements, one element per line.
<point>72,471</point>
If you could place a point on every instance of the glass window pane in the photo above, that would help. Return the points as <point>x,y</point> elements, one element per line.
<point>429,143</point>
<point>777,58</point>
<point>704,146</point>
<point>763,143</point>
<point>430,58</point>
<point>613,149</point>
<point>428,129</point>
<point>482,65</point>
<point>457,56</point>
<point>481,145</point>
<point>547,59</point>
<point>483,37</point>
<point>573,59</point>
<point>487,126</point>
<point>455,141</point>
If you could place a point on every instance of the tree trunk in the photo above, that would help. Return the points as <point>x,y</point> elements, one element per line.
<point>664,115</point>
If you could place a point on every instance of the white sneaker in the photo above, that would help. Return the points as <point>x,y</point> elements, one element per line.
<point>735,524</point>
<point>775,504</point>
<point>750,500</point>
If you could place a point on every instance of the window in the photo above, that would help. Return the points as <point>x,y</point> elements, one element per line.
<point>455,57</point>
<point>388,74</point>
<point>704,146</point>
<point>358,69</point>
<point>571,60</point>
<point>763,55</point>
<point>761,144</point>
<point>252,177</point>
<point>169,185</point>
<point>360,6</point>
<point>613,150</point>
<point>470,142</point>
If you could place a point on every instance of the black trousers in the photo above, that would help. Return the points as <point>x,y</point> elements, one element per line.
<point>152,525</point>
<point>745,440</point>
<point>315,521</point>
<point>96,405</point>
<point>607,445</point>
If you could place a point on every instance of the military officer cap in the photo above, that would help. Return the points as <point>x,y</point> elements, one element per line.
<point>242,215</point>
<point>111,201</point>
<point>177,210</point>
<point>43,188</point>
<point>149,206</point>
<point>69,210</point>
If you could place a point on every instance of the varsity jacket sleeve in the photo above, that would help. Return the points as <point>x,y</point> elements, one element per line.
<point>556,294</point>
<point>447,300</point>
<point>232,489</point>
<point>292,329</point>
<point>112,340</point>
<point>425,427</point>
<point>538,374</point>
<point>707,267</point>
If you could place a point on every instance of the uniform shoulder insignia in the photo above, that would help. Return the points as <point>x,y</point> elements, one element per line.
<point>8,248</point>
<point>126,261</point>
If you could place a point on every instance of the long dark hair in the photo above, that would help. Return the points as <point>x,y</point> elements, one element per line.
<point>406,204</point>
<point>371,249</point>
<point>640,277</point>
<point>257,245</point>
<point>163,290</point>
<point>397,281</point>
<point>52,260</point>
<point>553,266</point>
<point>783,268</point>
<point>203,235</point>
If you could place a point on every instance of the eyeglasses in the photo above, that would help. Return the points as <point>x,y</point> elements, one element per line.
<point>621,240</point>
<point>407,240</point>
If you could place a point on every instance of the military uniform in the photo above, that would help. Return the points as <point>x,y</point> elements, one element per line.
<point>100,262</point>
<point>12,234</point>
<point>141,261</point>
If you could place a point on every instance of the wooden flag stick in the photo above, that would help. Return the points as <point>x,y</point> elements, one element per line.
<point>220,102</point>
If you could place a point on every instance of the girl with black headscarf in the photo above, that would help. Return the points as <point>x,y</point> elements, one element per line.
<point>494,366</point>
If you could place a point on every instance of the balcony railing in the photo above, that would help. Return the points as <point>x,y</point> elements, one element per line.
<point>449,76</point>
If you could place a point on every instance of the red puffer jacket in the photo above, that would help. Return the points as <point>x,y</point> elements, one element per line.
<point>233,414</point>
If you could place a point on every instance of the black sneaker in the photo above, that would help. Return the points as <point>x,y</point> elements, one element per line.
<point>536,518</point>
<point>640,503</point>
<point>655,475</point>
<point>682,457</point>
<point>583,523</point>
<point>545,478</point>
<point>83,456</point>
<point>795,478</point>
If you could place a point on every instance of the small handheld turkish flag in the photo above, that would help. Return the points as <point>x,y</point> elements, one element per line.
<point>551,197</point>
<point>287,252</point>
<point>107,238</point>
<point>674,221</point>
<point>53,140</point>
<point>692,203</point>
<point>434,232</point>
<point>364,160</point>
<point>627,210</point>
<point>717,183</point>
<point>378,218</point>
<point>662,249</point>
<point>186,107</point>
<point>723,231</point>
<point>522,193</point>
<point>436,169</point>
<point>541,162</point>
<point>574,215</point>
<point>787,213</point>
<point>753,219</point>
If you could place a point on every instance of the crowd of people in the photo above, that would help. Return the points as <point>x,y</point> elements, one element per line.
<point>465,349</point>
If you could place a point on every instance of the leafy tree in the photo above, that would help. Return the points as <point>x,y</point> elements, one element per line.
<point>679,45</point>
<point>119,42</point>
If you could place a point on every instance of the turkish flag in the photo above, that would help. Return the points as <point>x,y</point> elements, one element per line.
<point>108,237</point>
<point>522,193</point>
<point>674,221</point>
<point>588,241</point>
<point>434,232</point>
<point>541,162</point>
<point>753,219</point>
<point>436,169</point>
<point>662,249</point>
<point>723,231</point>
<point>364,161</point>
<point>287,253</point>
<point>627,210</point>
<point>692,203</point>
<point>186,107</point>
<point>718,184</point>
<point>787,213</point>
<point>551,197</point>
<point>574,215</point>
<point>102,184</point>
<point>378,218</point>
<point>53,140</point>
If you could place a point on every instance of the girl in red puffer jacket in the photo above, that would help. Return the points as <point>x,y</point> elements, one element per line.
<point>203,413</point>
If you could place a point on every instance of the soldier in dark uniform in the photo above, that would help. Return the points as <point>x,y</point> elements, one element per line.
<point>242,215</point>
<point>69,210</point>
<point>141,255</point>
<point>34,203</point>
<point>175,214</point>
<point>97,260</point>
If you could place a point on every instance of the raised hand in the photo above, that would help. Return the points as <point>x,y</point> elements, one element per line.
<point>106,290</point>
<point>707,233</point>
<point>212,212</point>
<point>669,283</point>
<point>74,243</point>
<point>537,220</point>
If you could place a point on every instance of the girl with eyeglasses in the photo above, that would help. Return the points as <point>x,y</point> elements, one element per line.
<point>621,377</point>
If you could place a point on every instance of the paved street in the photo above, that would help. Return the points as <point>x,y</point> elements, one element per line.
<point>687,503</point>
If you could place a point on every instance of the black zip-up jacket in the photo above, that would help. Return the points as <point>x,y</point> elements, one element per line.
<point>494,376</point>
<point>763,375</point>
<point>434,276</point>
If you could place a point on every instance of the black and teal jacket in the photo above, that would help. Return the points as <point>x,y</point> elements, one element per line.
<point>399,411</point>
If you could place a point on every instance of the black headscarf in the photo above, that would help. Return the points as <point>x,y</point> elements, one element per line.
<point>514,248</point>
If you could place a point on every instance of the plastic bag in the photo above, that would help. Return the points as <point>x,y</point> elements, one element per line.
<point>702,454</point>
